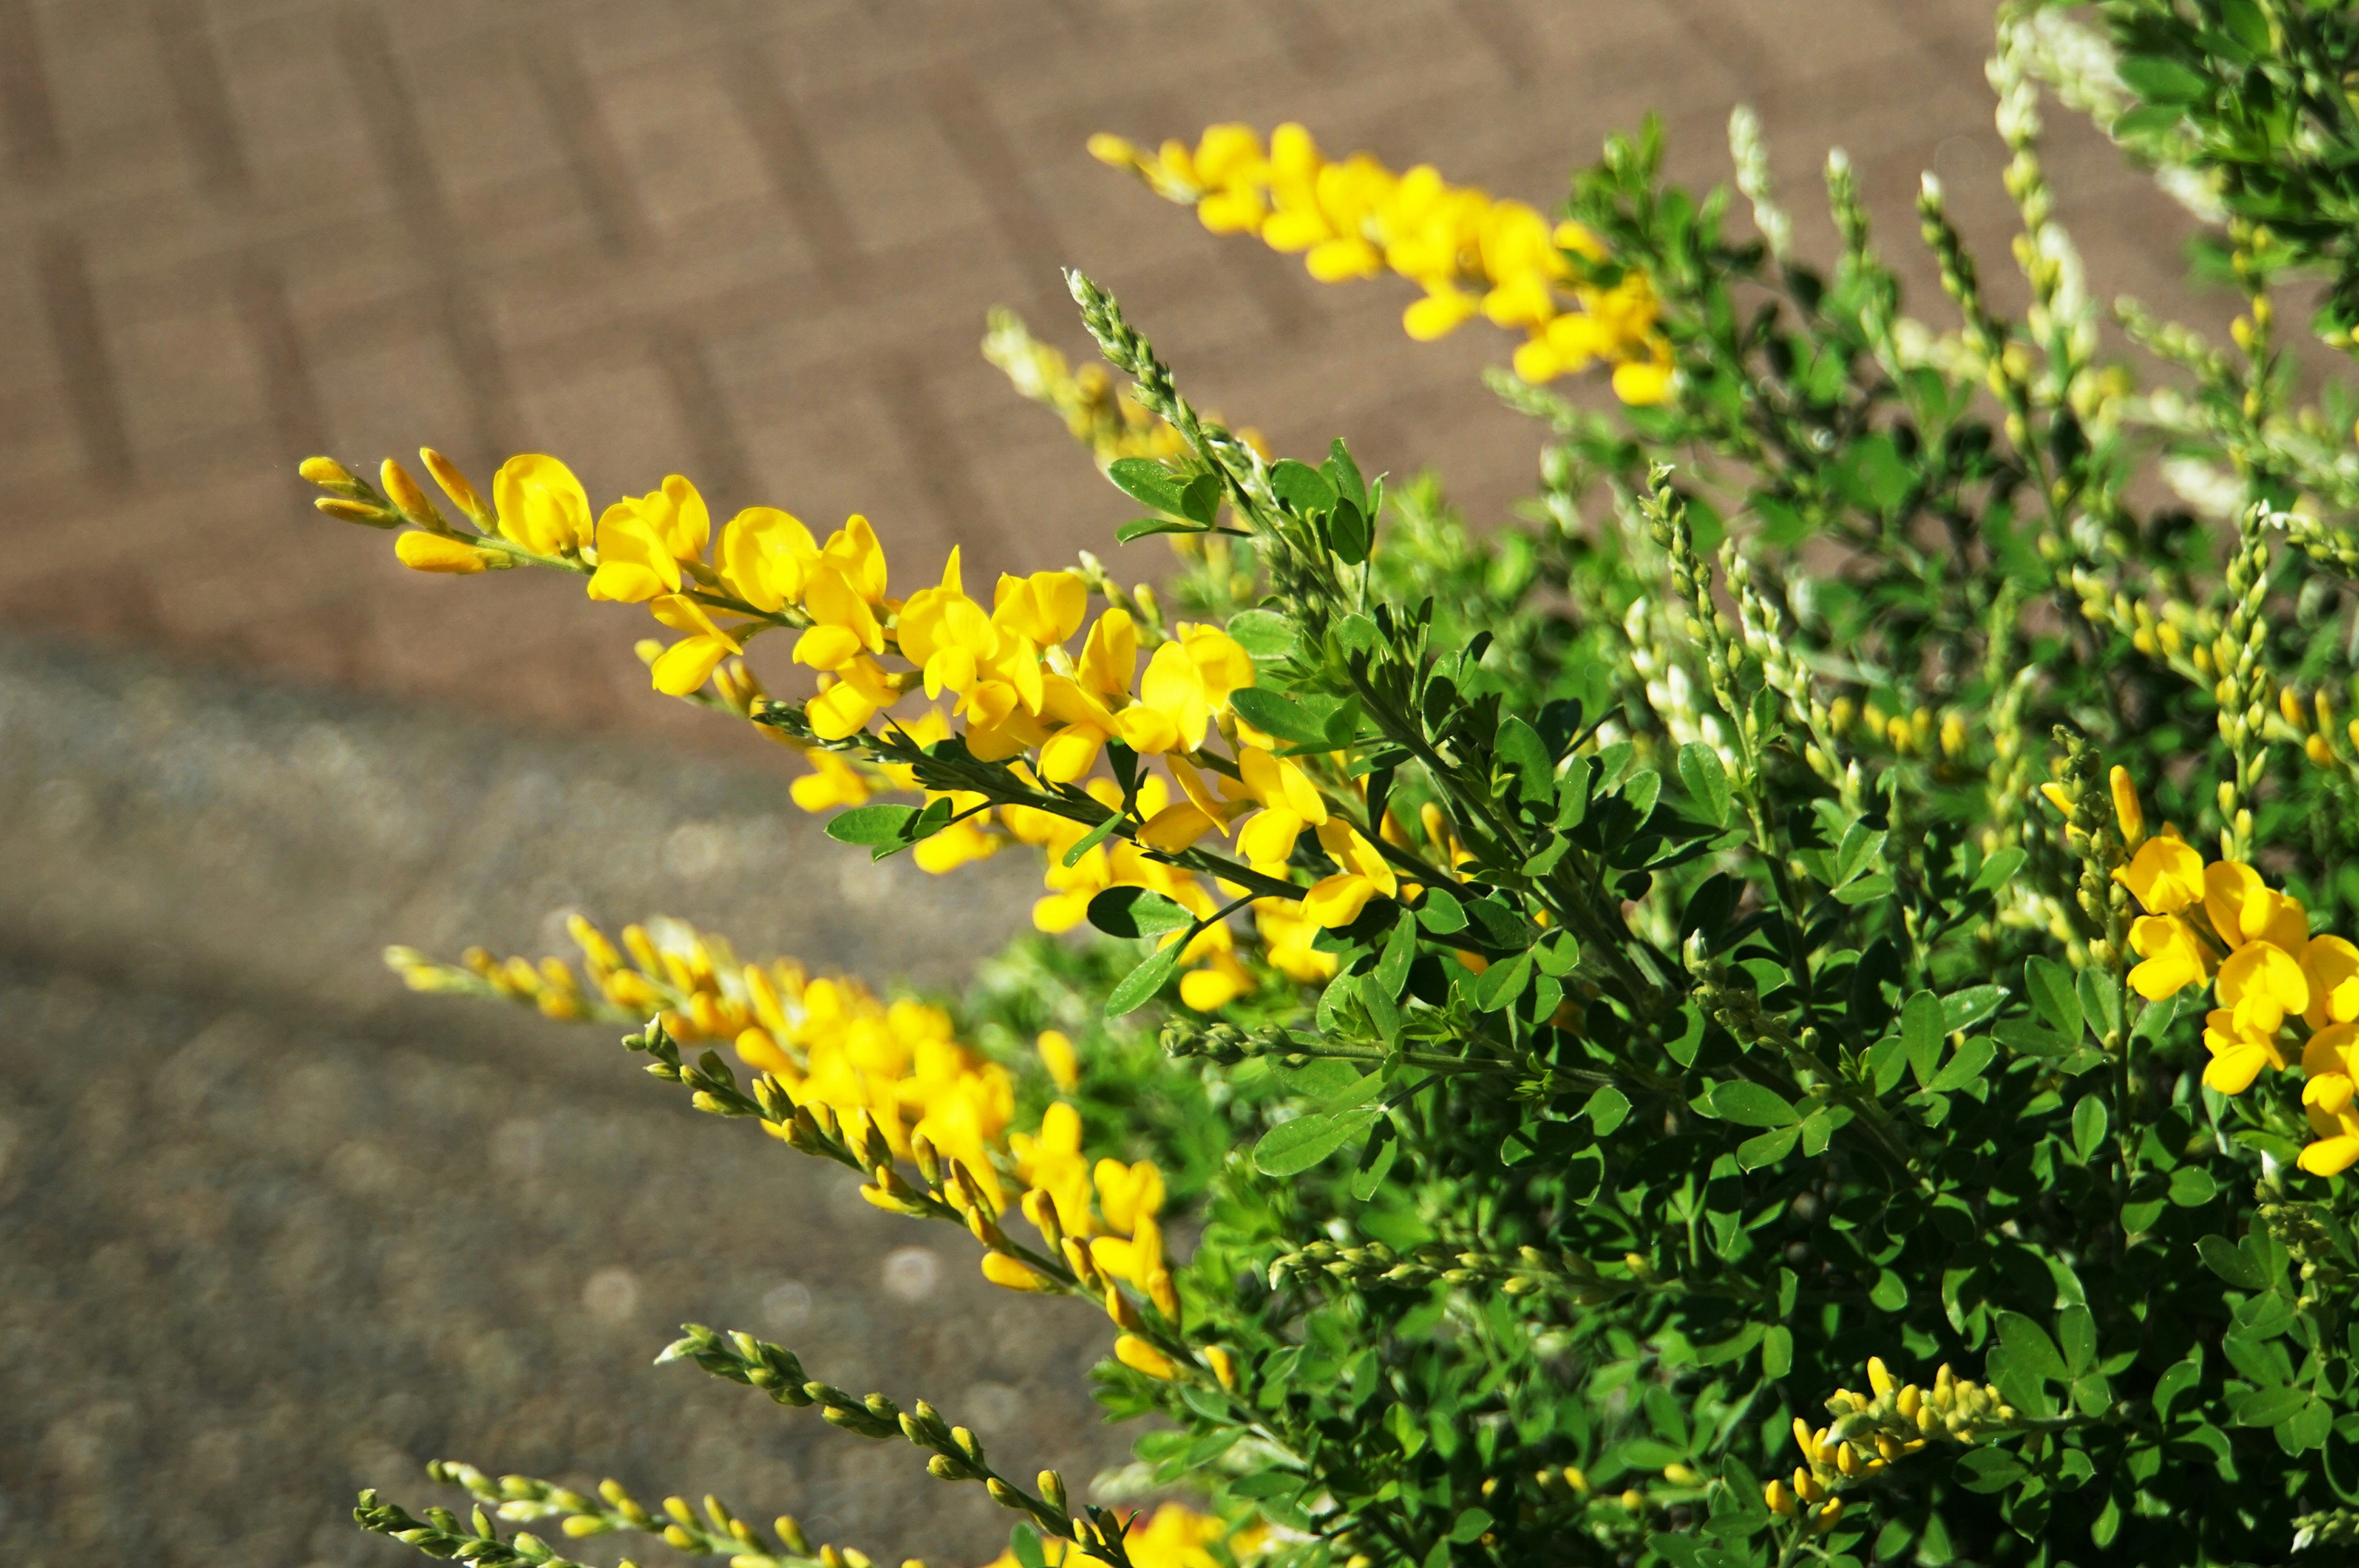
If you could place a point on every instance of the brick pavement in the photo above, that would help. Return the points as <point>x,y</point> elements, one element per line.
<point>756,241</point>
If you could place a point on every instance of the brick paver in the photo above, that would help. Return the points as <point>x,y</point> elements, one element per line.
<point>756,241</point>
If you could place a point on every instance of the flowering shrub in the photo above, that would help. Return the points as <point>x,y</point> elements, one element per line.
<point>1855,878</point>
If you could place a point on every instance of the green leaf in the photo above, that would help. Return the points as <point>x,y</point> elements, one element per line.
<point>1498,986</point>
<point>1990,1470</point>
<point>1861,844</point>
<point>2175,1379</point>
<point>1706,781</point>
<point>1143,982</point>
<point>1146,482</point>
<point>1301,487</point>
<point>2089,1124</point>
<point>1766,1148</point>
<point>1607,1108</point>
<point>2159,79</point>
<point>1558,954</point>
<point>1889,1294</point>
<point>1136,912</point>
<point>1264,633</point>
<point>1749,1104</point>
<point>1376,1163</point>
<point>1202,500</point>
<point>1400,950</point>
<point>2191,1186</point>
<point>1145,527</point>
<point>2076,1336</point>
<point>2100,1003</point>
<point>1641,790</point>
<point>2029,1347</point>
<point>1292,1147</point>
<point>1920,1035</point>
<point>1963,1009</point>
<point>2267,1407</point>
<point>1999,869</point>
<point>1520,748</point>
<point>1778,1351</point>
<point>1274,713</point>
<point>1470,1526</point>
<point>872,825</point>
<point>1025,1543</point>
<point>2232,1263</point>
<point>2055,994</point>
<point>1348,534</point>
<point>1094,837</point>
<point>1867,889</point>
<point>1441,913</point>
<point>1344,474</point>
<point>1964,1069</point>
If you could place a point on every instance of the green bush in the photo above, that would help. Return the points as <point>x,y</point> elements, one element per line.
<point>1647,993</point>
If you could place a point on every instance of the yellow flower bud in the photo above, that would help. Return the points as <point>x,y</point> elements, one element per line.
<point>1009,1274</point>
<point>326,472</point>
<point>440,553</point>
<point>454,485</point>
<point>1140,1357</point>
<point>367,514</point>
<point>1224,1364</point>
<point>405,494</point>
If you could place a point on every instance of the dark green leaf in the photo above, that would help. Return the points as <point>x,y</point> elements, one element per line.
<point>2159,79</point>
<point>1963,1009</point>
<point>1344,474</point>
<point>1920,1035</point>
<point>2267,1407</point>
<point>1143,982</point>
<point>2055,994</point>
<point>1962,1070</point>
<point>1264,633</point>
<point>1607,1108</point>
<point>872,825</point>
<point>1136,912</point>
<point>1520,749</point>
<point>1348,534</point>
<point>1401,949</point>
<point>2029,1347</point>
<point>1503,982</point>
<point>2191,1186</point>
<point>1292,1147</point>
<point>2232,1263</point>
<point>1766,1148</point>
<point>2100,1002</point>
<point>1094,837</point>
<point>1301,487</point>
<point>2076,1336</point>
<point>1706,781</point>
<point>2089,1124</point>
<point>1145,527</point>
<point>1749,1104</point>
<point>1441,913</point>
<point>1146,482</point>
<point>1376,1163</point>
<point>1202,500</point>
<point>1274,713</point>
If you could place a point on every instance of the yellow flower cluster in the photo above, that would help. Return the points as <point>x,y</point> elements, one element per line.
<point>2220,921</point>
<point>829,1040</point>
<point>1353,218</point>
<point>1173,1536</point>
<point>1017,690</point>
<point>1870,1431</point>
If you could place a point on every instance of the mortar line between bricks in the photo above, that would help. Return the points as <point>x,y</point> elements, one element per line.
<point>94,396</point>
<point>28,113</point>
<point>794,169</point>
<point>599,172</point>
<point>200,95</point>
<point>398,135</point>
<point>1505,36</point>
<point>287,387</point>
<point>942,470</point>
<point>982,150</point>
<point>718,452</point>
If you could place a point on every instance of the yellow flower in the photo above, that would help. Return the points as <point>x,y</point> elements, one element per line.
<point>858,691</point>
<point>1140,1357</point>
<point>644,540</point>
<point>2331,967</point>
<point>2165,875</point>
<point>2238,1053</point>
<point>2337,1147</point>
<point>541,505</point>
<point>689,663</point>
<point>831,783</point>
<point>1337,901</point>
<point>1057,1053</point>
<point>767,557</point>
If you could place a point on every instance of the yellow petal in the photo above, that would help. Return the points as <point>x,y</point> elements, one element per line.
<point>687,664</point>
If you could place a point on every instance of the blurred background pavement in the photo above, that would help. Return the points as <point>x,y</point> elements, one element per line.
<point>274,1231</point>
